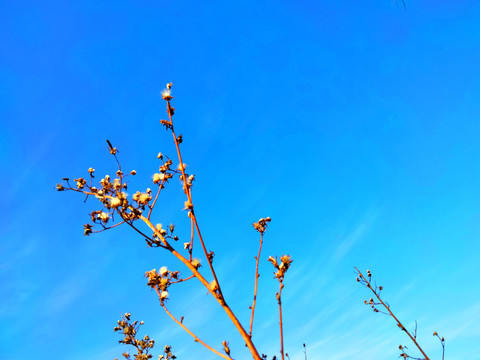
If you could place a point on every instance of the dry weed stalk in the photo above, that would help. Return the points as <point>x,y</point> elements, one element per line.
<point>379,302</point>
<point>137,210</point>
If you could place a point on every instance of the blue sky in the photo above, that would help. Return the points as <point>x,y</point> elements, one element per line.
<point>353,124</point>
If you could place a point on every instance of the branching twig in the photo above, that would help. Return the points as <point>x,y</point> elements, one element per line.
<point>362,279</point>
<point>197,339</point>
<point>210,288</point>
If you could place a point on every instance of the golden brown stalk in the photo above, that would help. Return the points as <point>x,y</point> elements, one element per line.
<point>155,201</point>
<point>279,298</point>
<point>190,249</point>
<point>256,284</point>
<point>218,294</point>
<point>189,196</point>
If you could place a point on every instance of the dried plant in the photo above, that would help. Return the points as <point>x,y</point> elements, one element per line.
<point>129,331</point>
<point>117,208</point>
<point>379,305</point>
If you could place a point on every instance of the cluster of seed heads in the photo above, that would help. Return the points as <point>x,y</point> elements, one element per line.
<point>129,332</point>
<point>282,267</point>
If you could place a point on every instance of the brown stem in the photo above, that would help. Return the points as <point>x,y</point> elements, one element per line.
<point>190,250</point>
<point>191,333</point>
<point>256,284</point>
<point>109,227</point>
<point>189,196</point>
<point>279,297</point>
<point>400,325</point>
<point>155,201</point>
<point>205,283</point>
<point>206,254</point>
<point>182,280</point>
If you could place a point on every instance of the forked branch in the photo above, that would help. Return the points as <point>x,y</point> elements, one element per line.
<point>366,281</point>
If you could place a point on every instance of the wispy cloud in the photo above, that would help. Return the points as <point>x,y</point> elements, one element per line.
<point>357,234</point>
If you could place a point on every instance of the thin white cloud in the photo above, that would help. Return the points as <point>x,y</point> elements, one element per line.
<point>353,237</point>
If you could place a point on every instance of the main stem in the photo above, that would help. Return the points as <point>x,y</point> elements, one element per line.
<point>217,295</point>
<point>189,196</point>
<point>205,283</point>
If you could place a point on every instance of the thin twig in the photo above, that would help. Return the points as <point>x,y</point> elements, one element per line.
<point>279,297</point>
<point>190,248</point>
<point>256,284</point>
<point>191,333</point>
<point>182,280</point>
<point>154,201</point>
<point>109,227</point>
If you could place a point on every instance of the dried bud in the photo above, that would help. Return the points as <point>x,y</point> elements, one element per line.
<point>115,202</point>
<point>226,348</point>
<point>80,183</point>
<point>87,229</point>
<point>157,178</point>
<point>196,263</point>
<point>167,94</point>
<point>273,261</point>
<point>163,271</point>
<point>103,216</point>
<point>214,286</point>
<point>181,166</point>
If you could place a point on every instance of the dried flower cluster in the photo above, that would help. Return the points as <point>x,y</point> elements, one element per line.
<point>129,331</point>
<point>281,268</point>
<point>115,201</point>
<point>167,354</point>
<point>261,225</point>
